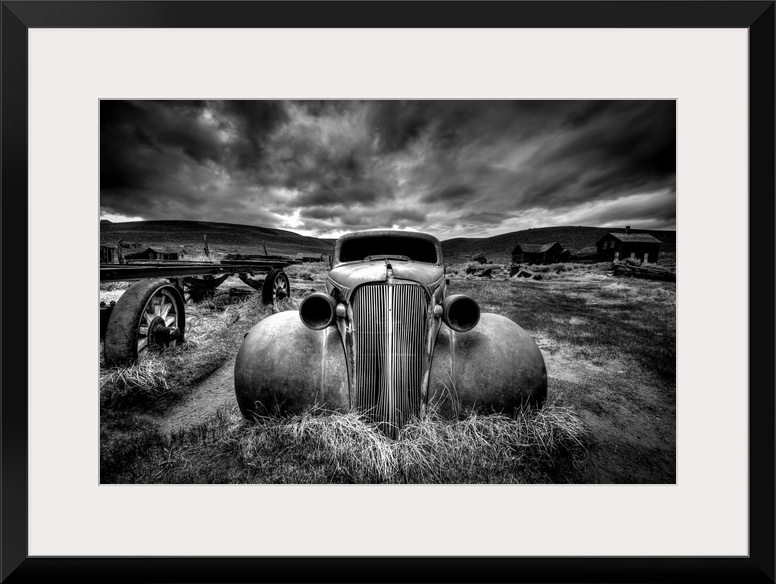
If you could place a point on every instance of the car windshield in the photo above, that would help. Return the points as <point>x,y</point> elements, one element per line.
<point>415,249</point>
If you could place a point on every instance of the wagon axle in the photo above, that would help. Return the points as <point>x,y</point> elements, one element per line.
<point>160,334</point>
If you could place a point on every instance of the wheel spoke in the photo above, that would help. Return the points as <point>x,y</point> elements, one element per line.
<point>280,287</point>
<point>165,308</point>
<point>170,320</point>
<point>142,344</point>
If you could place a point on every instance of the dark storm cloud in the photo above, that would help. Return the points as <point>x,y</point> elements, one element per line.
<point>397,123</point>
<point>654,211</point>
<point>406,217</point>
<point>450,167</point>
<point>481,218</point>
<point>344,217</point>
<point>127,128</point>
<point>356,194</point>
<point>451,194</point>
<point>632,147</point>
<point>251,123</point>
<point>599,149</point>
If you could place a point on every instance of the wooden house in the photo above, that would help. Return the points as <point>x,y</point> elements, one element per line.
<point>540,253</point>
<point>620,246</point>
<point>108,254</point>
<point>307,257</point>
<point>153,253</point>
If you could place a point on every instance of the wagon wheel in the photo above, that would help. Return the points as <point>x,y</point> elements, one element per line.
<point>276,287</point>
<point>149,314</point>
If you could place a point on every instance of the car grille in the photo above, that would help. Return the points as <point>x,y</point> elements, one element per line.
<point>389,357</point>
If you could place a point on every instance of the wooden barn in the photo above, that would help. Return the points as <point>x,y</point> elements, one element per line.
<point>540,253</point>
<point>151,253</point>
<point>620,246</point>
<point>308,258</point>
<point>108,254</point>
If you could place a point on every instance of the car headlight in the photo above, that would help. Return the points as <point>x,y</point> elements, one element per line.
<point>461,313</point>
<point>318,311</point>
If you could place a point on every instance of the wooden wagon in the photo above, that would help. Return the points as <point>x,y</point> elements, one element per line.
<point>152,311</point>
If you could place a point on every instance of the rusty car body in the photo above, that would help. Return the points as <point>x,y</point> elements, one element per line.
<point>387,340</point>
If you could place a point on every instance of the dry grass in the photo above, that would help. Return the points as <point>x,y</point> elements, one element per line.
<point>544,445</point>
<point>113,286</point>
<point>214,328</point>
<point>312,272</point>
<point>138,383</point>
<point>532,446</point>
<point>609,344</point>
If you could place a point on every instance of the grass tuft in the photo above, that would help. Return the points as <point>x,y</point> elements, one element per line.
<point>547,445</point>
<point>139,383</point>
<point>533,446</point>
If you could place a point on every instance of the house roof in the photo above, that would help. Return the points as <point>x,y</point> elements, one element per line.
<point>534,247</point>
<point>632,237</point>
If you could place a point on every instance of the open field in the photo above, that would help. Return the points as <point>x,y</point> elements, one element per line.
<point>609,346</point>
<point>224,238</point>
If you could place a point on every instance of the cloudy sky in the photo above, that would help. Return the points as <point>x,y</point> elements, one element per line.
<point>450,168</point>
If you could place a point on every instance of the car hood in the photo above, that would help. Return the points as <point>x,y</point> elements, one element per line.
<point>354,274</point>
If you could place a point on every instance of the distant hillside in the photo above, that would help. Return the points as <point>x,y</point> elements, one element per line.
<point>499,248</point>
<point>222,237</point>
<point>232,238</point>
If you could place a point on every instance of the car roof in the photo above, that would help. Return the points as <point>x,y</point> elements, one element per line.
<point>388,232</point>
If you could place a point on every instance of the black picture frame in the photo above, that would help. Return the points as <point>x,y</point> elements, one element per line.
<point>19,16</point>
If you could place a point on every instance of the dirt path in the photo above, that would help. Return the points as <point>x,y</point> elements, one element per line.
<point>632,424</point>
<point>206,397</point>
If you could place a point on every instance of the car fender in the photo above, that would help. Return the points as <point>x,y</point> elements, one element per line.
<point>494,367</point>
<point>284,367</point>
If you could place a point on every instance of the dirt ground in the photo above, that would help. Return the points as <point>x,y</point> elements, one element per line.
<point>630,417</point>
<point>205,397</point>
<point>640,447</point>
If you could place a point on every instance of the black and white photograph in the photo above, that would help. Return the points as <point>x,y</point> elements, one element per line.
<point>387,291</point>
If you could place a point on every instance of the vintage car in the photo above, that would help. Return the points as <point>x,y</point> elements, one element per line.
<point>387,340</point>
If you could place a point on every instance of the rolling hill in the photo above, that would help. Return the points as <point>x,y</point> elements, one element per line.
<point>232,238</point>
<point>499,248</point>
<point>222,237</point>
